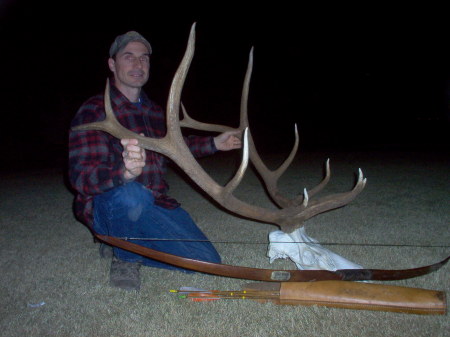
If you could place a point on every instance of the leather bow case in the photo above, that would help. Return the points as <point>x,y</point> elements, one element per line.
<point>357,295</point>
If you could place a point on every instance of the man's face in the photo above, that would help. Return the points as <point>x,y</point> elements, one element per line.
<point>131,65</point>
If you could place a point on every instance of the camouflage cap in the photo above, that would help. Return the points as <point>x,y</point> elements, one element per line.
<point>122,40</point>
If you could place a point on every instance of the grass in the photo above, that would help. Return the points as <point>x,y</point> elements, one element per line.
<point>47,256</point>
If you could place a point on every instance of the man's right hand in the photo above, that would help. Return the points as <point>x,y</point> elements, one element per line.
<point>133,158</point>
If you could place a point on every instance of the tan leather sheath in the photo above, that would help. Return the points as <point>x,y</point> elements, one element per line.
<point>357,295</point>
<point>366,296</point>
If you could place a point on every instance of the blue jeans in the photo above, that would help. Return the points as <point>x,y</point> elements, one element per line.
<point>129,211</point>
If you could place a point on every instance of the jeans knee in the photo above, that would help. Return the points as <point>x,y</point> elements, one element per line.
<point>132,199</point>
<point>133,193</point>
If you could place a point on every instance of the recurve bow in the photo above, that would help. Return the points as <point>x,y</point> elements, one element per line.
<point>272,275</point>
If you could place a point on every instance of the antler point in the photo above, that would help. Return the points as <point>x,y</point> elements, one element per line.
<point>305,197</point>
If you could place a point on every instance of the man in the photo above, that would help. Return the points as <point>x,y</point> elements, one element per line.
<point>120,187</point>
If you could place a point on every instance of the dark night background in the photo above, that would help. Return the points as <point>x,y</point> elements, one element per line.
<point>352,78</point>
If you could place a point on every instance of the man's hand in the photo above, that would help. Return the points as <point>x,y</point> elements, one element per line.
<point>228,141</point>
<point>133,158</point>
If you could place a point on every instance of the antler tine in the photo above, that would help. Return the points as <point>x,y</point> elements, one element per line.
<point>233,183</point>
<point>327,203</point>
<point>174,100</point>
<point>337,200</point>
<point>325,180</point>
<point>341,199</point>
<point>189,122</point>
<point>245,90</point>
<point>300,198</point>
<point>110,123</point>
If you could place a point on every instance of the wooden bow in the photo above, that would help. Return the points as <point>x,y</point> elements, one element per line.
<point>271,275</point>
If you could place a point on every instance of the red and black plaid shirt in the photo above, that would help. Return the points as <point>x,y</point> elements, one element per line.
<point>95,157</point>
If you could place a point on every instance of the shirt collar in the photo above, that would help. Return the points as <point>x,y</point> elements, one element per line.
<point>120,101</point>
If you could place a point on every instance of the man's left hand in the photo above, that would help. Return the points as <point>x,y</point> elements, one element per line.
<point>228,141</point>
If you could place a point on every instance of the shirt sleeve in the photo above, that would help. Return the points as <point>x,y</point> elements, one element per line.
<point>201,146</point>
<point>92,165</point>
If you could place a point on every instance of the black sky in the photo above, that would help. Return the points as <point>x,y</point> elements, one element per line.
<point>373,75</point>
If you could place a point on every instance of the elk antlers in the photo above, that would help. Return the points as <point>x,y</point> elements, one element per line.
<point>292,213</point>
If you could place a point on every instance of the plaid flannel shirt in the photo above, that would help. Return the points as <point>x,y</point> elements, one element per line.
<point>95,157</point>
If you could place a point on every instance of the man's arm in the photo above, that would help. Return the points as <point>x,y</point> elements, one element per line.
<point>92,168</point>
<point>95,158</point>
<point>205,146</point>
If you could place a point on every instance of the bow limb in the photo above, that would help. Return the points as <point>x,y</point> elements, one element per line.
<point>271,275</point>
